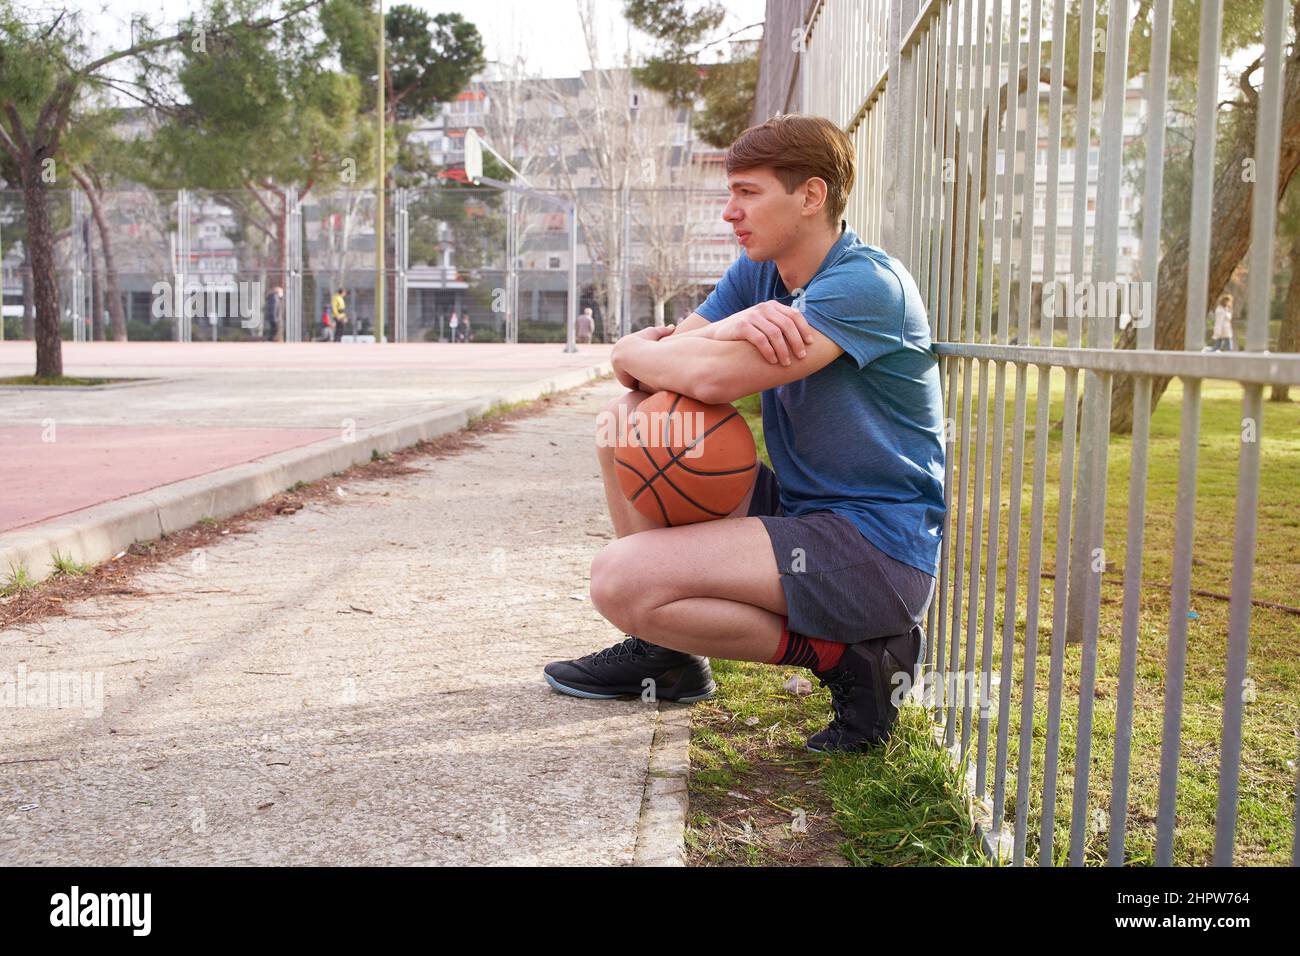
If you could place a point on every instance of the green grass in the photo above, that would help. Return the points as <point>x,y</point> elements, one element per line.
<point>19,580</point>
<point>1267,777</point>
<point>902,804</point>
<point>66,566</point>
<point>497,409</point>
<point>62,381</point>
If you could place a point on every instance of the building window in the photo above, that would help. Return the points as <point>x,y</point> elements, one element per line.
<point>553,262</point>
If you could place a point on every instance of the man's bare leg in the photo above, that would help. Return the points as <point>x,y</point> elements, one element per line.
<point>729,626</point>
<point>622,513</point>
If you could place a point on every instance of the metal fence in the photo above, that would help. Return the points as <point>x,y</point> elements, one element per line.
<point>956,160</point>
<point>643,253</point>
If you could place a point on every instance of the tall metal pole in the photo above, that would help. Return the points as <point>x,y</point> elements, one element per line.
<point>379,194</point>
<point>625,325</point>
<point>570,339</point>
<point>512,295</point>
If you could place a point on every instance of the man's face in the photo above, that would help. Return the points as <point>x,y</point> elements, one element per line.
<point>765,218</point>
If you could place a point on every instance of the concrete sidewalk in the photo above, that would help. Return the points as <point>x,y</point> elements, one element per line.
<point>220,427</point>
<point>354,684</point>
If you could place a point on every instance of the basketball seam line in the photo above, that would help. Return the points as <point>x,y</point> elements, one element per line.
<point>675,459</point>
<point>660,471</point>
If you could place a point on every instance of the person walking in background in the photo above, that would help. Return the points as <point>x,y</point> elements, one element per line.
<point>453,323</point>
<point>339,306</point>
<point>326,328</point>
<point>272,315</point>
<point>1223,325</point>
<point>468,332</point>
<point>585,326</point>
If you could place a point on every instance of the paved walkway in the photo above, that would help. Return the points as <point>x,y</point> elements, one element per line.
<point>252,714</point>
<point>214,405</point>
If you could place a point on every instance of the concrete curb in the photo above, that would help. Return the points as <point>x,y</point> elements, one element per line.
<point>95,534</point>
<point>661,830</point>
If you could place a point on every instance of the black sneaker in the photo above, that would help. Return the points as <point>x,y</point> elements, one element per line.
<point>619,671</point>
<point>862,686</point>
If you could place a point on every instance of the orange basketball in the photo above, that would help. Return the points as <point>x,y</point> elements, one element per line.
<point>681,461</point>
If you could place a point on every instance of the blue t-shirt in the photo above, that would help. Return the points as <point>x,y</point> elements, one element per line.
<point>862,437</point>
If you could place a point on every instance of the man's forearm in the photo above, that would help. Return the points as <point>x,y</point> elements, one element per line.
<point>679,364</point>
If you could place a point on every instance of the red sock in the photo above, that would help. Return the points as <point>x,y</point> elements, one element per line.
<point>811,652</point>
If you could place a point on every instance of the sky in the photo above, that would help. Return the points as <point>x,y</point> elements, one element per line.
<point>546,32</point>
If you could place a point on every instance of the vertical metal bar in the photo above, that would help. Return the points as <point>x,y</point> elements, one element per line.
<point>991,152</point>
<point>1028,160</point>
<point>992,38</point>
<point>975,87</point>
<point>1009,174</point>
<point>1198,267</point>
<point>1295,820</point>
<point>946,249</point>
<point>1043,402</point>
<point>959,229</point>
<point>900,169</point>
<point>948,366</point>
<point>935,69</point>
<point>1029,178</point>
<point>945,286</point>
<point>978,84</point>
<point>1083,137</point>
<point>916,140</point>
<point>1000,380</point>
<point>937,28</point>
<point>925,156</point>
<point>1263,222</point>
<point>1157,82</point>
<point>1097,428</point>
<point>961,148</point>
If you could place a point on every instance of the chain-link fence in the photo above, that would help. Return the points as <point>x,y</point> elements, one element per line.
<point>197,265</point>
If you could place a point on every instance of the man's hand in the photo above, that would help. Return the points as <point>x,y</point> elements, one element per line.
<point>651,333</point>
<point>777,331</point>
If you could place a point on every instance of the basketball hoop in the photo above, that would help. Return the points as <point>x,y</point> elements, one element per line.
<point>473,156</point>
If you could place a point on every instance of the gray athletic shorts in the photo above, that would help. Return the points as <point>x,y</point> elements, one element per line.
<point>838,585</point>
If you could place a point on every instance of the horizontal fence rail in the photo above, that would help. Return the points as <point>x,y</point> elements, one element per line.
<point>1003,146</point>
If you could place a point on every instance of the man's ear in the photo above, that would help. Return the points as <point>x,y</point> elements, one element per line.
<point>814,197</point>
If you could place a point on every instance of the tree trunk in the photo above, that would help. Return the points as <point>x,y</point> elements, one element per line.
<point>1288,339</point>
<point>29,311</point>
<point>613,307</point>
<point>113,289</point>
<point>659,311</point>
<point>281,233</point>
<point>1229,242</point>
<point>96,292</point>
<point>49,347</point>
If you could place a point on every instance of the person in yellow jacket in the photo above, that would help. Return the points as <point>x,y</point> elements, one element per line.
<point>339,306</point>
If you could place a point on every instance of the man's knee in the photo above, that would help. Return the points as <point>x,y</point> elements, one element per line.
<point>613,589</point>
<point>611,422</point>
<point>619,587</point>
